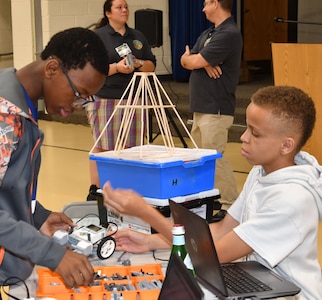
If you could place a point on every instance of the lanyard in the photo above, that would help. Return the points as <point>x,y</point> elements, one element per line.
<point>34,112</point>
<point>32,107</point>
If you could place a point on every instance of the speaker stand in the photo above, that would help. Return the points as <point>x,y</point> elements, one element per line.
<point>171,122</point>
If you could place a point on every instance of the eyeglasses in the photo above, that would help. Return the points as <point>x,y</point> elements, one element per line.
<point>207,2</point>
<point>80,101</point>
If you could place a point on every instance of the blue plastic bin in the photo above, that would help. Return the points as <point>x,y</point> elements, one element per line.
<point>158,180</point>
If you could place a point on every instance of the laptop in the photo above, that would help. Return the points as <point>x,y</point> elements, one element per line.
<point>179,284</point>
<point>213,275</point>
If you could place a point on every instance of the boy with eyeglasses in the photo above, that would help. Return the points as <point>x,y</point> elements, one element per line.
<point>72,67</point>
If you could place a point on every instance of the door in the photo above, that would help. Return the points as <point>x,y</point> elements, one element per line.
<point>260,29</point>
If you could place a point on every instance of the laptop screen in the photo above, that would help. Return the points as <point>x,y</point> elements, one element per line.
<point>209,271</point>
<point>179,283</point>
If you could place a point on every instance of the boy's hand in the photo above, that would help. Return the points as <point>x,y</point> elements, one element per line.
<point>75,269</point>
<point>56,221</point>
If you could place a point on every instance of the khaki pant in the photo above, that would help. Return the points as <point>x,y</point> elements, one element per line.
<point>211,132</point>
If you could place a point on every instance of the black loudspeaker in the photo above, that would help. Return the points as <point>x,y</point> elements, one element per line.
<point>149,22</point>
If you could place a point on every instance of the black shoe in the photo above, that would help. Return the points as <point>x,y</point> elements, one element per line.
<point>219,215</point>
<point>92,193</point>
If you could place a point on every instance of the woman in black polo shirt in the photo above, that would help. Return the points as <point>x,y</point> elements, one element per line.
<point>119,39</point>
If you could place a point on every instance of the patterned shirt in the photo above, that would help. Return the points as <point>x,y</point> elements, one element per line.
<point>10,132</point>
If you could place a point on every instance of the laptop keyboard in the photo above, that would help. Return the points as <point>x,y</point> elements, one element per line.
<point>240,281</point>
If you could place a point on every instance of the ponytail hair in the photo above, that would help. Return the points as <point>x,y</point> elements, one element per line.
<point>107,7</point>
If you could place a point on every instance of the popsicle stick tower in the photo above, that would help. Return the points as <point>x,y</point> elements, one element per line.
<point>145,93</point>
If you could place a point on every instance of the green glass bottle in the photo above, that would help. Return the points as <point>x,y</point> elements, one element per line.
<point>179,246</point>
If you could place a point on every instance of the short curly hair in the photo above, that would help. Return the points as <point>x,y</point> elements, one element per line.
<point>292,106</point>
<point>75,47</point>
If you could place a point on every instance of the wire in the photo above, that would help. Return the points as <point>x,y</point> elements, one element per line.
<point>82,218</point>
<point>169,82</point>
<point>156,258</point>
<point>162,59</point>
<point>6,283</point>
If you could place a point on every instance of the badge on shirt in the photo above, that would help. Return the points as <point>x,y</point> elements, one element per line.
<point>123,50</point>
<point>208,38</point>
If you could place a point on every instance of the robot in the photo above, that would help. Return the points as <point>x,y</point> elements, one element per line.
<point>83,239</point>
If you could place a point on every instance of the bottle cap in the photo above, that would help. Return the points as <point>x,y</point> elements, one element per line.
<point>178,229</point>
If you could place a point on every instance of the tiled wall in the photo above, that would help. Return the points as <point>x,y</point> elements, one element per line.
<point>56,15</point>
<point>5,34</point>
<point>22,32</point>
<point>310,12</point>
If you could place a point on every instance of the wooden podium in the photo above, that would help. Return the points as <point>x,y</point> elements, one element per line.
<point>300,65</point>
